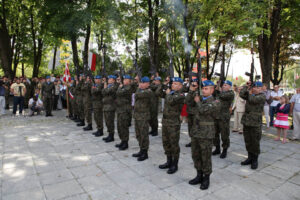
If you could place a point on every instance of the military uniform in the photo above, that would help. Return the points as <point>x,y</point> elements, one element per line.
<point>27,95</point>
<point>171,127</point>
<point>79,102</point>
<point>98,108</point>
<point>72,106</point>
<point>252,121</point>
<point>142,106</point>
<point>191,109</point>
<point>222,122</point>
<point>48,91</point>
<point>154,111</point>
<point>87,103</point>
<point>109,108</point>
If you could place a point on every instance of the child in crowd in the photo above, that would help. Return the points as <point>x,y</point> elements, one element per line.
<point>281,122</point>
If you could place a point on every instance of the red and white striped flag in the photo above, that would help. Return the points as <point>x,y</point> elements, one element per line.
<point>67,75</point>
<point>92,61</point>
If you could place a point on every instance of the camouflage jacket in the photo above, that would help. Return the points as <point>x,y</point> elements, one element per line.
<point>142,104</point>
<point>71,88</point>
<point>97,97</point>
<point>48,90</point>
<point>191,104</point>
<point>78,89</point>
<point>86,91</point>
<point>109,97</point>
<point>173,106</point>
<point>226,98</point>
<point>124,96</point>
<point>155,99</point>
<point>204,121</point>
<point>253,109</point>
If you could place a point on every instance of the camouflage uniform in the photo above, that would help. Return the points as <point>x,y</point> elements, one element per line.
<point>98,105</point>
<point>203,133</point>
<point>27,95</point>
<point>79,102</point>
<point>171,121</point>
<point>48,91</point>
<point>86,99</point>
<point>72,106</point>
<point>109,106</point>
<point>191,109</point>
<point>124,111</point>
<point>252,120</point>
<point>222,122</point>
<point>154,109</point>
<point>141,115</point>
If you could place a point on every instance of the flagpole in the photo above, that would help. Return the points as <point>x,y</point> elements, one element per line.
<point>68,107</point>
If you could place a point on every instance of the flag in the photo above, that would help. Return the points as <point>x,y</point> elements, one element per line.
<point>92,61</point>
<point>236,78</point>
<point>71,95</point>
<point>67,75</point>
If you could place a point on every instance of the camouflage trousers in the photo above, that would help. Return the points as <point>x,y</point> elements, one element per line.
<point>190,119</point>
<point>170,140</point>
<point>48,103</point>
<point>87,111</point>
<point>142,136</point>
<point>201,154</point>
<point>98,116</point>
<point>109,117</point>
<point>123,124</point>
<point>71,104</point>
<point>80,107</point>
<point>222,127</point>
<point>252,136</point>
<point>74,107</point>
<point>153,119</point>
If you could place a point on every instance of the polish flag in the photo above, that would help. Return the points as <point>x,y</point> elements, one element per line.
<point>67,75</point>
<point>71,95</point>
<point>92,61</point>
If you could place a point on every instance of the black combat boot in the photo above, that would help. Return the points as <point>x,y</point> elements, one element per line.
<point>50,115</point>
<point>150,133</point>
<point>74,118</point>
<point>88,127</point>
<point>198,179</point>
<point>47,114</point>
<point>138,154</point>
<point>254,163</point>
<point>99,133</point>
<point>216,151</point>
<point>77,120</point>
<point>174,167</point>
<point>143,156</point>
<point>124,146</point>
<point>205,182</point>
<point>110,138</point>
<point>118,145</point>
<point>81,123</point>
<point>248,161</point>
<point>154,133</point>
<point>188,145</point>
<point>167,164</point>
<point>223,154</point>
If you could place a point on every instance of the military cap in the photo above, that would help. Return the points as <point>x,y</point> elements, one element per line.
<point>127,76</point>
<point>207,83</point>
<point>194,80</point>
<point>145,79</point>
<point>228,82</point>
<point>177,79</point>
<point>158,78</point>
<point>258,84</point>
<point>98,77</point>
<point>112,76</point>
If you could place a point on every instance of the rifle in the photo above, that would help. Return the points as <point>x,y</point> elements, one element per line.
<point>137,68</point>
<point>252,78</point>
<point>170,54</point>
<point>103,73</point>
<point>122,72</point>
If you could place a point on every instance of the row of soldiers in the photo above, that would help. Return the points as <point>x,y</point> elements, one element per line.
<point>208,116</point>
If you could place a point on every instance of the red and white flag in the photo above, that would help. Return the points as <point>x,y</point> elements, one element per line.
<point>71,95</point>
<point>92,61</point>
<point>67,75</point>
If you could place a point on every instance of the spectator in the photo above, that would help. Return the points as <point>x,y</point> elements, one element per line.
<point>2,98</point>
<point>295,110</point>
<point>19,90</point>
<point>275,97</point>
<point>56,94</point>
<point>282,121</point>
<point>267,104</point>
<point>35,105</point>
<point>239,109</point>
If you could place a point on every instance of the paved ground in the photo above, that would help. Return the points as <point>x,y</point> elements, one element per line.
<point>50,158</point>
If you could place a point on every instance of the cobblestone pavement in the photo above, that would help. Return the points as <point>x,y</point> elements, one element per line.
<point>51,158</point>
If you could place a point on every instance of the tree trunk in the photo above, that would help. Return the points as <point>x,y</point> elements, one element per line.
<point>215,60</point>
<point>228,64</point>
<point>23,70</point>
<point>207,52</point>
<point>156,37</point>
<point>150,37</point>
<point>75,53</point>
<point>54,59</point>
<point>85,54</point>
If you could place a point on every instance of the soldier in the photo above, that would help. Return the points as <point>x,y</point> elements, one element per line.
<point>252,121</point>
<point>98,105</point>
<point>75,93</point>
<point>222,123</point>
<point>174,99</point>
<point>87,102</point>
<point>142,106</point>
<point>123,101</point>
<point>154,107</point>
<point>71,88</point>
<point>80,100</point>
<point>47,94</point>
<point>28,93</point>
<point>109,106</point>
<point>203,133</point>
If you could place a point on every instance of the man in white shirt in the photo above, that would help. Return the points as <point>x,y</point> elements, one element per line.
<point>295,110</point>
<point>35,105</point>
<point>275,96</point>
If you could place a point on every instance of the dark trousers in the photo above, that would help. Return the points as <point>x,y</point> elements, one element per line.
<point>272,113</point>
<point>18,101</point>
<point>55,102</point>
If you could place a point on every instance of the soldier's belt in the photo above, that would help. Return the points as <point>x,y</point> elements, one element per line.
<point>207,123</point>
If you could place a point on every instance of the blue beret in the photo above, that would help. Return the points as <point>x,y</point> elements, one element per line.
<point>194,80</point>
<point>127,76</point>
<point>228,82</point>
<point>112,76</point>
<point>72,78</point>
<point>98,77</point>
<point>177,79</point>
<point>47,77</point>
<point>258,84</point>
<point>207,83</point>
<point>145,79</point>
<point>158,78</point>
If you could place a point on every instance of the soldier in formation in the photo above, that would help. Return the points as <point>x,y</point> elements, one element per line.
<point>47,95</point>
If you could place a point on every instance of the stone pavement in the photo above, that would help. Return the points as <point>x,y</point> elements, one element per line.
<point>51,158</point>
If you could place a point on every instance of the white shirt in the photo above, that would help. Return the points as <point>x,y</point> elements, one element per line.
<point>39,102</point>
<point>296,99</point>
<point>276,94</point>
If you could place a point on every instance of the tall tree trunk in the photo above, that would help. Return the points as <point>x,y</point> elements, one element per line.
<point>136,34</point>
<point>207,52</point>
<point>150,37</point>
<point>276,79</point>
<point>23,70</point>
<point>156,36</point>
<point>215,61</point>
<point>228,64</point>
<point>85,54</point>
<point>75,53</point>
<point>54,59</point>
